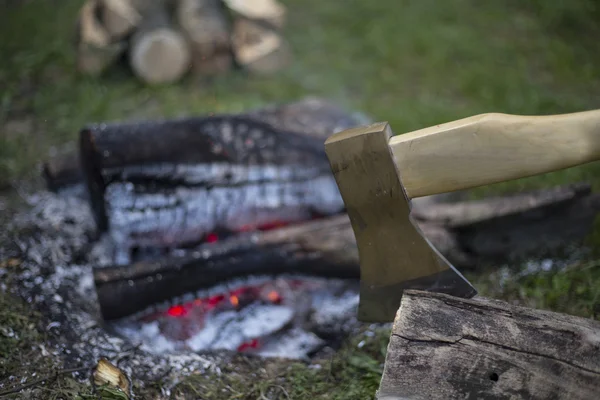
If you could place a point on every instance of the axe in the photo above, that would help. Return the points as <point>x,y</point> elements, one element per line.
<point>377,176</point>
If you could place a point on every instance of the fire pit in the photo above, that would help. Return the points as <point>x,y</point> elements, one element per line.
<point>280,279</point>
<point>117,271</point>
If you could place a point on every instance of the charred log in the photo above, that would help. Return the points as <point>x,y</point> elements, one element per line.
<point>313,250</point>
<point>62,170</point>
<point>509,228</point>
<point>311,116</point>
<point>166,184</point>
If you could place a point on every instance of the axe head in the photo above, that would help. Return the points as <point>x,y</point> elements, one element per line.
<point>394,255</point>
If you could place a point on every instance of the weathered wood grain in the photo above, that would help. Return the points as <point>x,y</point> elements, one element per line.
<point>444,347</point>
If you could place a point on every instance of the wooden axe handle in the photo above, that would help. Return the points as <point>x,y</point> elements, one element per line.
<point>491,148</point>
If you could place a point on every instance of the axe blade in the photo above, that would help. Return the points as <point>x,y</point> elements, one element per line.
<point>394,255</point>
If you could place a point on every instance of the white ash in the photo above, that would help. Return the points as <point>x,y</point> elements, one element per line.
<point>321,307</point>
<point>216,173</point>
<point>293,343</point>
<point>49,238</point>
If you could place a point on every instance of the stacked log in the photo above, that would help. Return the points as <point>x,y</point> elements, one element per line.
<point>164,40</point>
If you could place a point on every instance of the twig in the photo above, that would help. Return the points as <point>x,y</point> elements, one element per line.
<point>41,380</point>
<point>287,396</point>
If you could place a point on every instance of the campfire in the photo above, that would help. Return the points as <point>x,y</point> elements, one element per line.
<point>194,244</point>
<point>125,261</point>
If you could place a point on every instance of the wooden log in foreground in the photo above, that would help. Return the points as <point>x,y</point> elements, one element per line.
<point>444,347</point>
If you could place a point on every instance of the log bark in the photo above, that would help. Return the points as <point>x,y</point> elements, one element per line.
<point>205,26</point>
<point>259,48</point>
<point>95,50</point>
<point>443,347</point>
<point>159,53</point>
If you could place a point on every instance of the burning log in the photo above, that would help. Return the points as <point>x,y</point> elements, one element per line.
<point>443,347</point>
<point>326,247</point>
<point>164,187</point>
<point>480,231</point>
<point>227,172</point>
<point>149,181</point>
<point>315,250</point>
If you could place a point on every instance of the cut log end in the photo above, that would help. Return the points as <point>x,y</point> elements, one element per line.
<point>258,48</point>
<point>119,17</point>
<point>95,51</point>
<point>207,30</point>
<point>269,11</point>
<point>160,56</point>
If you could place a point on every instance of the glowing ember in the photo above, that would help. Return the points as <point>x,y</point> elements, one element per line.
<point>213,301</point>
<point>270,317</point>
<point>274,297</point>
<point>212,238</point>
<point>176,311</point>
<point>252,344</point>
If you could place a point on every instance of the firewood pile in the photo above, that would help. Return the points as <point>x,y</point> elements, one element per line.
<point>163,40</point>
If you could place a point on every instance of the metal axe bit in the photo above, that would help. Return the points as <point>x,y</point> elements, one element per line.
<point>378,174</point>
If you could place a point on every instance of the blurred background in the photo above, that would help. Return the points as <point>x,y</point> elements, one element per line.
<point>412,63</point>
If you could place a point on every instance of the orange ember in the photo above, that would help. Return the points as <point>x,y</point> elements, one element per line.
<point>274,297</point>
<point>212,238</point>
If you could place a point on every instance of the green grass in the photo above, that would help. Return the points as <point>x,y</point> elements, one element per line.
<point>573,290</point>
<point>354,372</point>
<point>411,63</point>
